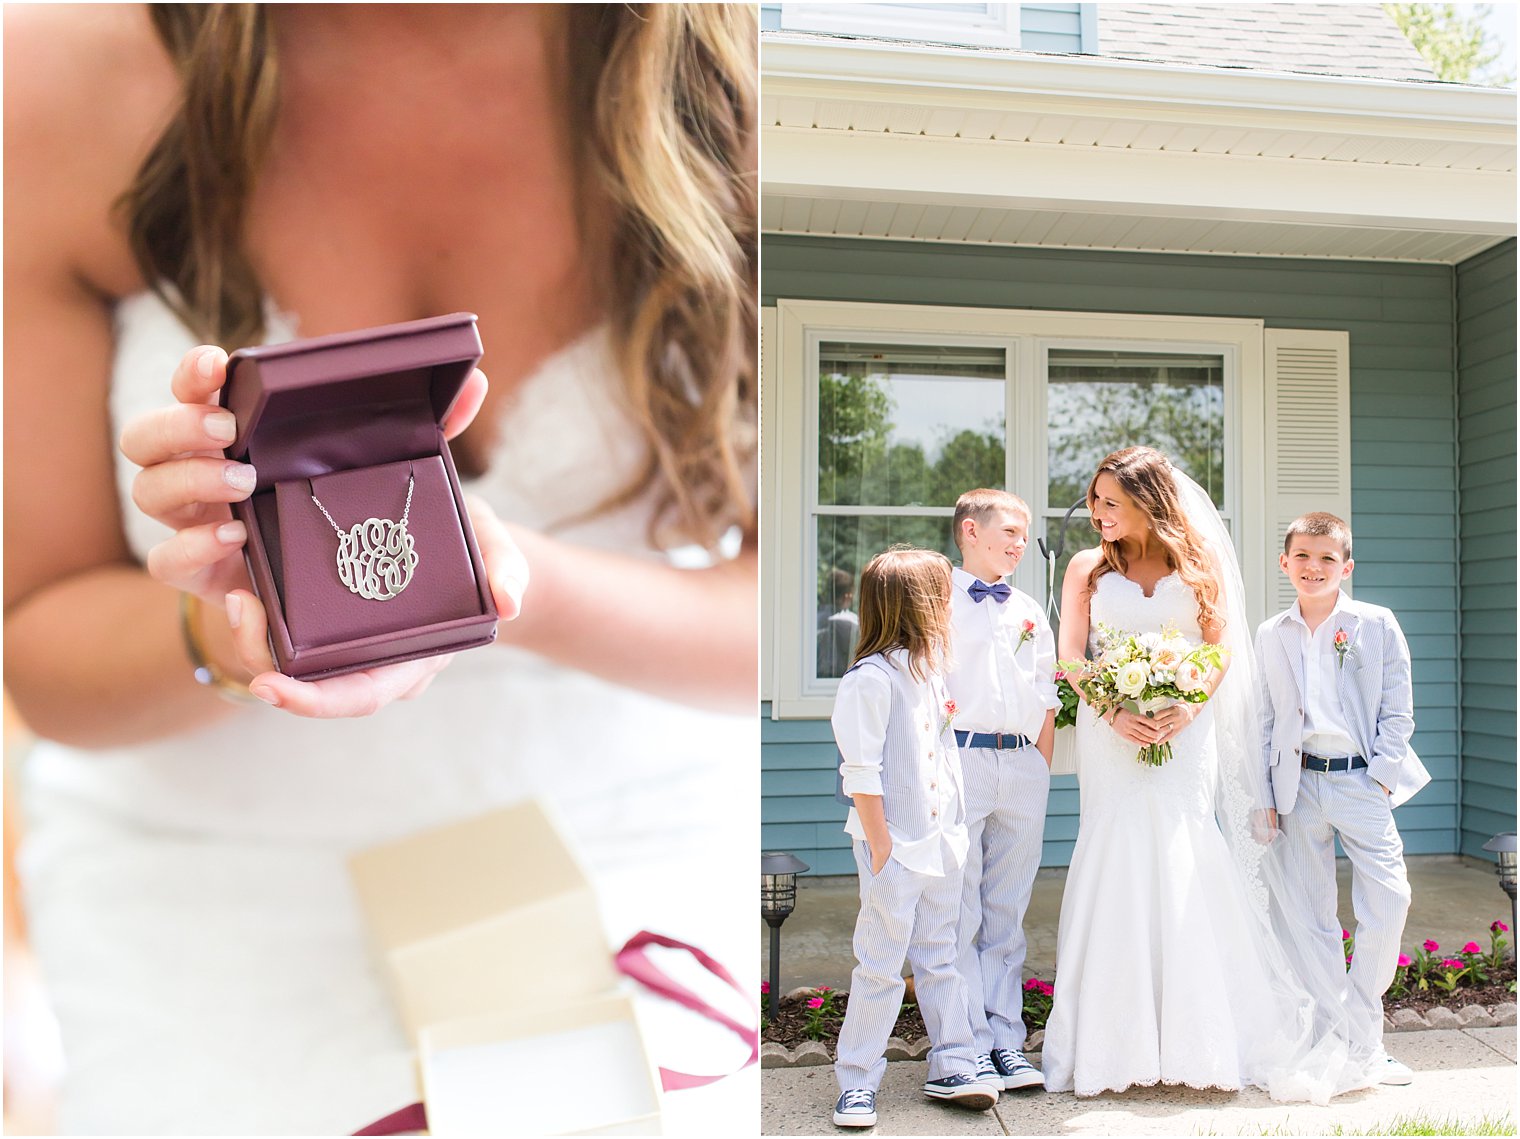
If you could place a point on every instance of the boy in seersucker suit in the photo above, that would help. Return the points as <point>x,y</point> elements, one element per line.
<point>1338,714</point>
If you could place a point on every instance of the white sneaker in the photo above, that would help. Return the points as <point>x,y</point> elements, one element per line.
<point>1390,1071</point>
<point>1017,1072</point>
<point>856,1108</point>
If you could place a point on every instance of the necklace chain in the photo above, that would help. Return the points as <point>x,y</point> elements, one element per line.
<point>411,482</point>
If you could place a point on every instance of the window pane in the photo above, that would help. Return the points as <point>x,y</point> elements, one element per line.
<point>845,545</point>
<point>908,426</point>
<point>1100,402</point>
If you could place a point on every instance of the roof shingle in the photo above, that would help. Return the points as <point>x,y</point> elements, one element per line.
<point>1326,39</point>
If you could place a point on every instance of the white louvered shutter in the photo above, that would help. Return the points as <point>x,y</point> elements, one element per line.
<point>768,496</point>
<point>1308,433</point>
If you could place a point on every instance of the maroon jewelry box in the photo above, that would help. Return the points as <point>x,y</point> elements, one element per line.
<point>355,421</point>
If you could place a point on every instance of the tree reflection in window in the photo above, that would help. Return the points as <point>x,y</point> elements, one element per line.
<point>1101,401</point>
<point>901,427</point>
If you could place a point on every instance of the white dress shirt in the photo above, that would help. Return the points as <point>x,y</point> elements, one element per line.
<point>1327,732</point>
<point>861,712</point>
<point>999,685</point>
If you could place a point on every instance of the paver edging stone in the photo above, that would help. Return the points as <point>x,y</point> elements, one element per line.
<point>812,1052</point>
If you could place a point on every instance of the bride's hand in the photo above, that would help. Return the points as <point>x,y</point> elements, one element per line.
<point>187,483</point>
<point>1139,730</point>
<point>1171,720</point>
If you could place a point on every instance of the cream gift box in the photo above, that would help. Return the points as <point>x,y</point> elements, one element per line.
<point>489,933</point>
<point>501,1072</point>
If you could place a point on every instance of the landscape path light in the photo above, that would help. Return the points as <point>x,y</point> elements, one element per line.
<point>1502,846</point>
<point>778,897</point>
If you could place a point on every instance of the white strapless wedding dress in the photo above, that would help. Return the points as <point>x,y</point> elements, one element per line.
<point>188,899</point>
<point>1160,974</point>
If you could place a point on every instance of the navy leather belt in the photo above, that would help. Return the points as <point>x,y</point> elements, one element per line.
<point>1002,741</point>
<point>1338,763</point>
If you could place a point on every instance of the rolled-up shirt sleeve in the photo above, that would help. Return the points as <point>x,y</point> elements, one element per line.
<point>861,709</point>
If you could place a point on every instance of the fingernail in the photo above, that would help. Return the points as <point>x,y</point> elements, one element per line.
<point>221,426</point>
<point>235,611</point>
<point>265,694</point>
<point>240,476</point>
<point>231,532</point>
<point>511,587</point>
<point>206,363</point>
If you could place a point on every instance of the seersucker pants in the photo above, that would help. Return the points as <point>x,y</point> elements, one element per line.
<point>912,916</point>
<point>1006,793</point>
<point>1351,804</point>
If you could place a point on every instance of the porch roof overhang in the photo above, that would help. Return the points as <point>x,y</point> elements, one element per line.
<point>922,142</point>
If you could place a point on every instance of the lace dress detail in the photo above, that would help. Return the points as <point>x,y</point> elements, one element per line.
<point>1159,976</point>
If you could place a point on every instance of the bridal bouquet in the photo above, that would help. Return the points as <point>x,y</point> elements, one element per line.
<point>1143,672</point>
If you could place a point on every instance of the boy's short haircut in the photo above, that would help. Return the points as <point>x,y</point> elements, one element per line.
<point>1319,524</point>
<point>979,504</point>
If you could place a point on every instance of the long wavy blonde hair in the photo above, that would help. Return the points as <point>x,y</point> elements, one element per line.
<point>905,604</point>
<point>665,101</point>
<point>1146,476</point>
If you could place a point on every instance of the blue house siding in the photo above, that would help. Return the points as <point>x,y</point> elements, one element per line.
<point>1486,436</point>
<point>1403,449</point>
<point>1054,27</point>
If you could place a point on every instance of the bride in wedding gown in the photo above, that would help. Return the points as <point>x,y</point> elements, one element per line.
<point>1172,964</point>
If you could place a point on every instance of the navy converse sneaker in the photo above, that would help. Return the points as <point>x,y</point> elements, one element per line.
<point>1016,1071</point>
<point>987,1073</point>
<point>856,1108</point>
<point>963,1090</point>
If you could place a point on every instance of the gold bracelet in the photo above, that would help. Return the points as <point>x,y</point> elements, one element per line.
<point>206,673</point>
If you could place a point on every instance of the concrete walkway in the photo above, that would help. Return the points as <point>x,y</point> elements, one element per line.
<point>1465,1075</point>
<point>1454,901</point>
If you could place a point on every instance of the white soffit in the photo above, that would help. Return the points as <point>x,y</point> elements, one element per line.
<point>919,142</point>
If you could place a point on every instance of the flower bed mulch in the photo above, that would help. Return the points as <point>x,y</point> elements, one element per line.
<point>1496,992</point>
<point>789,1026</point>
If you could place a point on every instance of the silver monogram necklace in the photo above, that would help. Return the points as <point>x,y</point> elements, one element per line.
<point>376,557</point>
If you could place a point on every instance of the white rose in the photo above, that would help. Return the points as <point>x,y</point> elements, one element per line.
<point>1190,676</point>
<point>1132,678</point>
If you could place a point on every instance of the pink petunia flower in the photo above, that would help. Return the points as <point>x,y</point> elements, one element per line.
<point>1345,933</point>
<point>1472,947</point>
<point>1498,927</point>
<point>765,988</point>
<point>815,1002</point>
<point>1453,963</point>
<point>1405,960</point>
<point>1047,988</point>
<point>823,989</point>
<point>1031,985</point>
<point>1431,946</point>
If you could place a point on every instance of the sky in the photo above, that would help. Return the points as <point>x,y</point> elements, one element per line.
<point>1500,23</point>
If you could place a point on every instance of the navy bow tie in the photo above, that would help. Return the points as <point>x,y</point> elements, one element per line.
<point>980,591</point>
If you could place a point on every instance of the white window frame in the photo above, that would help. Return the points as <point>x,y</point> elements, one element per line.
<point>998,26</point>
<point>789,414</point>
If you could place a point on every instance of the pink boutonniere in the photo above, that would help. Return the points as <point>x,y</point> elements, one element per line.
<point>1342,647</point>
<point>950,711</point>
<point>1026,633</point>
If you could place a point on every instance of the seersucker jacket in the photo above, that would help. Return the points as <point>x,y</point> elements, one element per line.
<point>1376,694</point>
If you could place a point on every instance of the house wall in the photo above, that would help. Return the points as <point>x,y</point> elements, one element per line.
<point>1403,460</point>
<point>1485,288</point>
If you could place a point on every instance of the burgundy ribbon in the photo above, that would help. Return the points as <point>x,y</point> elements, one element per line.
<point>632,961</point>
